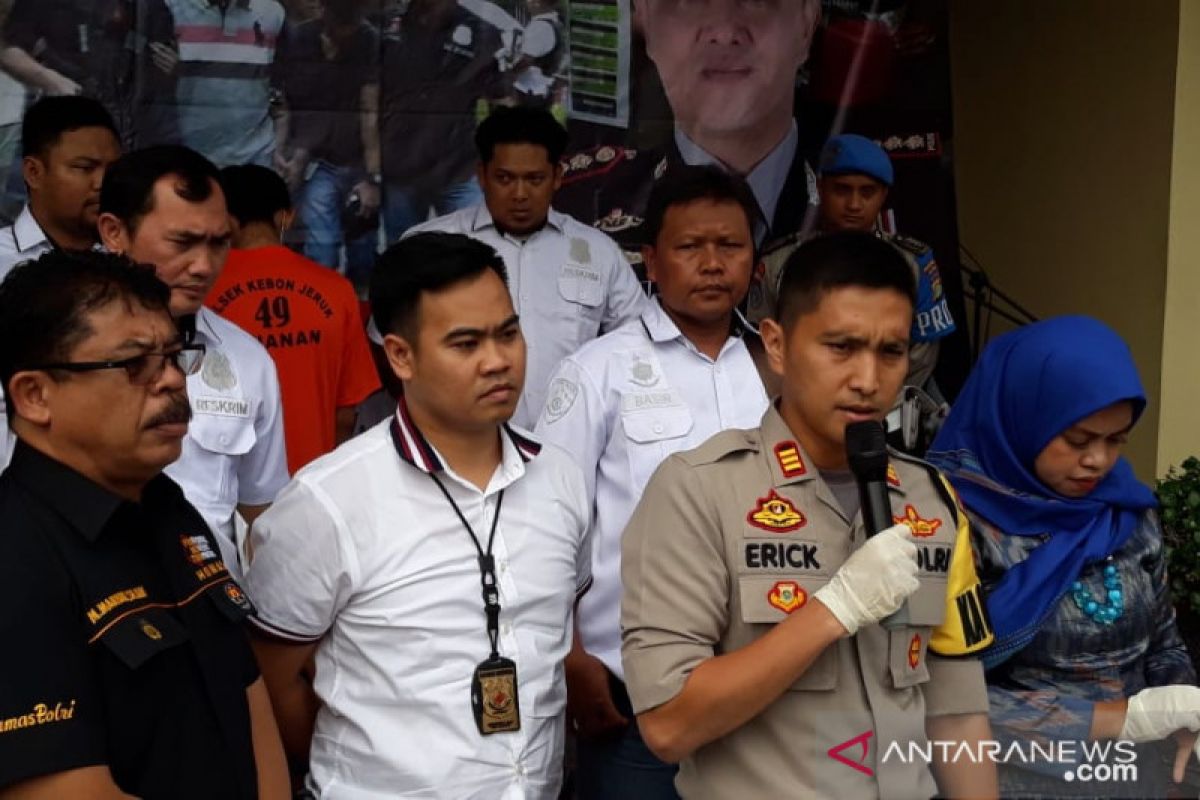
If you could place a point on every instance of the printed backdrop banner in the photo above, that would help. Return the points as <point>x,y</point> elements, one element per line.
<point>328,93</point>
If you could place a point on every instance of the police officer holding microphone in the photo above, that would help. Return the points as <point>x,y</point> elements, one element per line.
<point>752,593</point>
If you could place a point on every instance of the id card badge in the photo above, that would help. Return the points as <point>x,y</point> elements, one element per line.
<point>494,696</point>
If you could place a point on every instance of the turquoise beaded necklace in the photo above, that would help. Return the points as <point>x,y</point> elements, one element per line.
<point>1107,611</point>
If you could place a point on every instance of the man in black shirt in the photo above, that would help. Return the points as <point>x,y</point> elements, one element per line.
<point>127,671</point>
<point>328,72</point>
<point>121,52</point>
<point>439,61</point>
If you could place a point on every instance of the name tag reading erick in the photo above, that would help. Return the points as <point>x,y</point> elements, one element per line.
<point>494,696</point>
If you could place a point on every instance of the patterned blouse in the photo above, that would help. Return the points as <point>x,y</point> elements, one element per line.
<point>1046,691</point>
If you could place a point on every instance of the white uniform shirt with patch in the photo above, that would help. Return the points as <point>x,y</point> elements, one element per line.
<point>620,406</point>
<point>234,451</point>
<point>24,240</point>
<point>569,282</point>
<point>362,552</point>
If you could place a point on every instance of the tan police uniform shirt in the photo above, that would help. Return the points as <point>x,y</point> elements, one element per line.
<point>733,536</point>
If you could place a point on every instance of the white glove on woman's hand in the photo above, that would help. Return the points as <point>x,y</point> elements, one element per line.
<point>1157,712</point>
<point>874,581</point>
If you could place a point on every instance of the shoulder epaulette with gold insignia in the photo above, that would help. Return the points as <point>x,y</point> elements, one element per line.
<point>786,244</point>
<point>594,161</point>
<point>935,477</point>
<point>914,246</point>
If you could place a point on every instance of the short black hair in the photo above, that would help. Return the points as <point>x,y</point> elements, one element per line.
<point>520,125</point>
<point>50,117</point>
<point>837,260</point>
<point>685,184</point>
<point>128,189</point>
<point>254,193</point>
<point>425,262</point>
<point>44,303</point>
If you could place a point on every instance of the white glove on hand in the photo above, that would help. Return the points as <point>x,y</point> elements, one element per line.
<point>1157,712</point>
<point>874,581</point>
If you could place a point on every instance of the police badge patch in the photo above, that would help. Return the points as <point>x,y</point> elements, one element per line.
<point>217,372</point>
<point>562,396</point>
<point>579,251</point>
<point>787,596</point>
<point>642,372</point>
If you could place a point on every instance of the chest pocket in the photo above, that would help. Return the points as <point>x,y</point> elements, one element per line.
<point>230,436</point>
<point>581,285</point>
<point>766,599</point>
<point>142,635</point>
<point>654,434</point>
<point>218,441</point>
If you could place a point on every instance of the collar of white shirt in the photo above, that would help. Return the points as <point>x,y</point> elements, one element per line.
<point>768,177</point>
<point>412,446</point>
<point>204,325</point>
<point>661,328</point>
<point>27,233</point>
<point>483,219</point>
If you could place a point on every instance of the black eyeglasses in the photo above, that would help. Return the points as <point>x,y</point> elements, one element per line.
<point>141,369</point>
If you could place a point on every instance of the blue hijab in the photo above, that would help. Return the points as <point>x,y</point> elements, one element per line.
<point>1029,386</point>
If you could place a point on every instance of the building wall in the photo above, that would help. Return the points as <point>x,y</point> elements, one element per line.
<point>1179,418</point>
<point>1064,122</point>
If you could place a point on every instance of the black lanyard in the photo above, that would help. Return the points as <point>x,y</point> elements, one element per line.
<point>487,566</point>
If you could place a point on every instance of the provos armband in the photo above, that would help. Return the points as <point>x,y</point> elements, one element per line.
<point>966,629</point>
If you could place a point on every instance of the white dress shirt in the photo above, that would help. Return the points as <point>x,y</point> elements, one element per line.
<point>569,282</point>
<point>620,406</point>
<point>24,240</point>
<point>234,451</point>
<point>363,552</point>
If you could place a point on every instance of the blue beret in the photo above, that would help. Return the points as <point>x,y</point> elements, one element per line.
<point>850,153</point>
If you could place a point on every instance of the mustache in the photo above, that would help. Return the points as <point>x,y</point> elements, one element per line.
<point>179,410</point>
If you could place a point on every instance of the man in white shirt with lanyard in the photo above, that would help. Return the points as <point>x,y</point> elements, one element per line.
<point>569,282</point>
<point>626,401</point>
<point>67,142</point>
<point>164,206</point>
<point>371,562</point>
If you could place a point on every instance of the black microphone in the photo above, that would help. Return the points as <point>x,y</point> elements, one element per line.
<point>866,450</point>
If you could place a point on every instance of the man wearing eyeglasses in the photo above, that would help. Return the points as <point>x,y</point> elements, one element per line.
<point>125,659</point>
<point>164,206</point>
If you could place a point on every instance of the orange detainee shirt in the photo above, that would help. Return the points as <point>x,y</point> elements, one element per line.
<point>307,316</point>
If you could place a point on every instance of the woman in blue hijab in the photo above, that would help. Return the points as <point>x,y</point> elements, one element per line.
<point>1071,553</point>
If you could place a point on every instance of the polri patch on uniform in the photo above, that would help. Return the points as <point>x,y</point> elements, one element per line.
<point>914,651</point>
<point>562,396</point>
<point>916,524</point>
<point>776,514</point>
<point>790,461</point>
<point>787,596</point>
<point>217,372</point>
